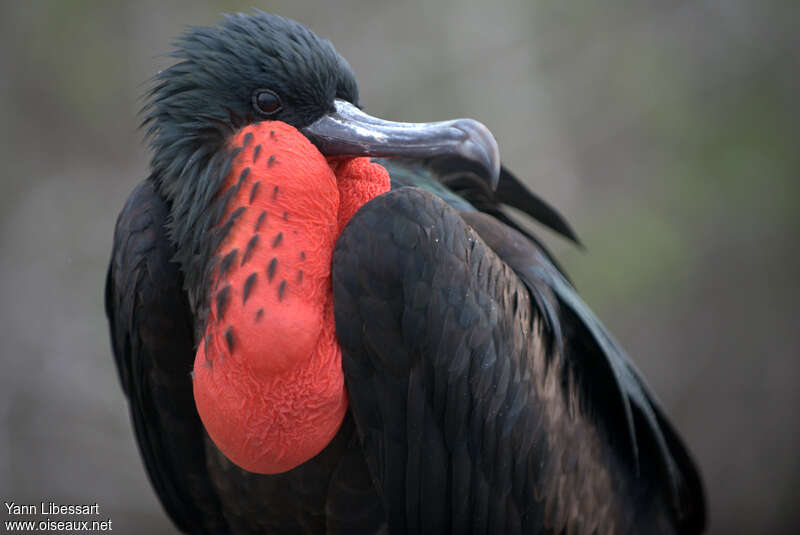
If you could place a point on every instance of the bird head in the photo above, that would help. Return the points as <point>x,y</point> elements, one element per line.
<point>260,148</point>
<point>249,68</point>
<point>262,67</point>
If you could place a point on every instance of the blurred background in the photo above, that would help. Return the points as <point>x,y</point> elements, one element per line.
<point>665,131</point>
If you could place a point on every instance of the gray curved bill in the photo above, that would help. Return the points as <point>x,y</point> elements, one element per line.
<point>350,132</point>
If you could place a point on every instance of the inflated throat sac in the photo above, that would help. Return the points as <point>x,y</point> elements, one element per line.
<point>268,380</point>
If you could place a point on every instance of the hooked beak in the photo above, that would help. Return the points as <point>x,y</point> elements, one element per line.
<point>349,132</point>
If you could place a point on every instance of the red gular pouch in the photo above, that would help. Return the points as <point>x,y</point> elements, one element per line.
<point>268,380</point>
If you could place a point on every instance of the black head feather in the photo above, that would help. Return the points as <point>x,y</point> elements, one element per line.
<point>198,102</point>
<point>196,105</point>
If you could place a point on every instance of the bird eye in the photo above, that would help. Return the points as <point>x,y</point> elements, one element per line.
<point>266,102</point>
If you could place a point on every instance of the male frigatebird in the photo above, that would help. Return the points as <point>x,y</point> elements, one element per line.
<point>313,342</point>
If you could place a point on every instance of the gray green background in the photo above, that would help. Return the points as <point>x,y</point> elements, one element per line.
<point>665,131</point>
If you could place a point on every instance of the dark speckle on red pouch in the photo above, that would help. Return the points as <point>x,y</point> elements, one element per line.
<point>281,290</point>
<point>236,152</point>
<point>285,216</point>
<point>260,220</point>
<point>275,193</point>
<point>248,137</point>
<point>277,240</point>
<point>299,276</point>
<point>242,177</point>
<point>234,216</point>
<point>253,191</point>
<point>231,219</point>
<point>249,249</point>
<point>271,161</point>
<point>273,264</point>
<point>302,255</point>
<point>256,152</point>
<point>259,314</point>
<point>223,296</point>
<point>248,286</point>
<point>272,134</point>
<point>227,262</point>
<point>229,338</point>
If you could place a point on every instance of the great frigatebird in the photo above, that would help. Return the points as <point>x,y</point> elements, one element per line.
<point>311,341</point>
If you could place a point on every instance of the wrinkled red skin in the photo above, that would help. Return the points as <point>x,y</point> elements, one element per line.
<point>268,380</point>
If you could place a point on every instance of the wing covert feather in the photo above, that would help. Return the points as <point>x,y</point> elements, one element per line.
<point>151,335</point>
<point>456,395</point>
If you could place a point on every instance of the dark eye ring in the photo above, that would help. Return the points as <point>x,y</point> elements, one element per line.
<point>266,102</point>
